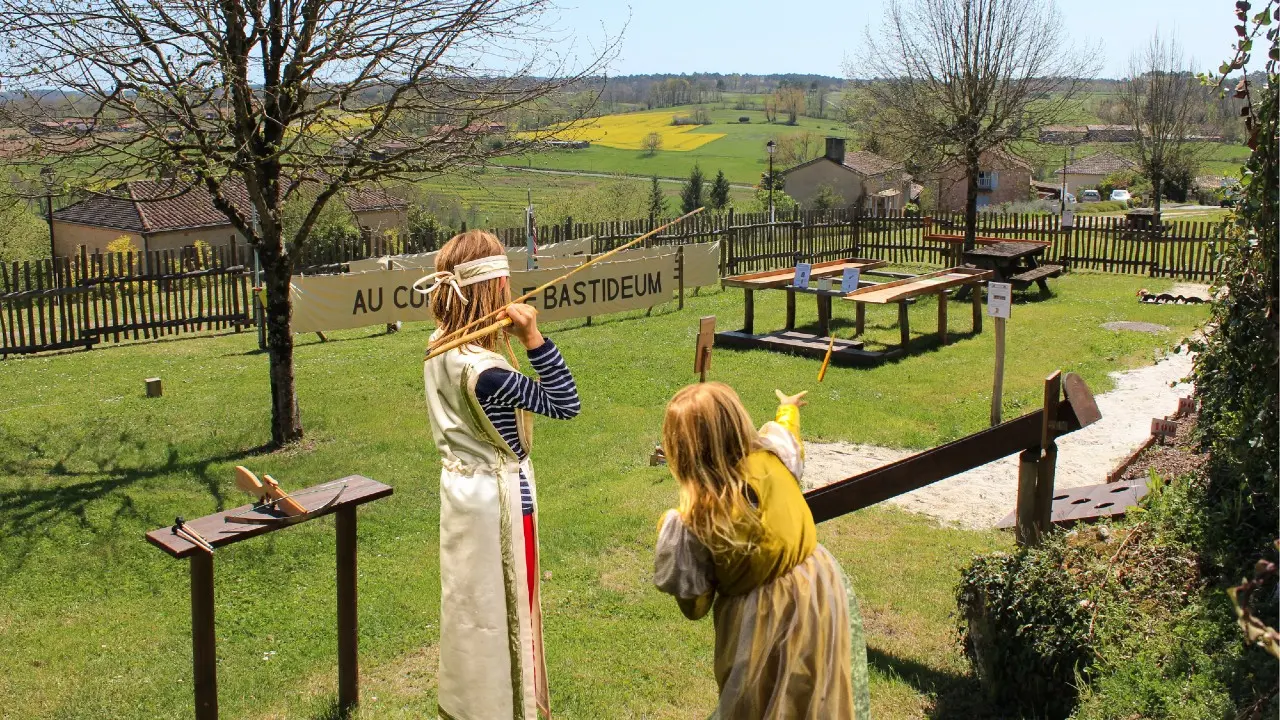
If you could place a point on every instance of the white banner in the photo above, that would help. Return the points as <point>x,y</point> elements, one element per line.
<point>337,302</point>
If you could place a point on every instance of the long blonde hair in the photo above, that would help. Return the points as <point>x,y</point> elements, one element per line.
<point>483,297</point>
<point>707,436</point>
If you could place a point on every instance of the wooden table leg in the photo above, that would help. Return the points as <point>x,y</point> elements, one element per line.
<point>748,311</point>
<point>977,308</point>
<point>904,325</point>
<point>204,657</point>
<point>348,666</point>
<point>791,309</point>
<point>860,318</point>
<point>824,315</point>
<point>942,317</point>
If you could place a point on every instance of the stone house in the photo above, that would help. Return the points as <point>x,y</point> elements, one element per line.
<point>860,178</point>
<point>161,215</point>
<point>1002,178</point>
<point>1089,172</point>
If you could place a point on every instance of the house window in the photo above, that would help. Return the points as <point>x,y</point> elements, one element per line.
<point>987,180</point>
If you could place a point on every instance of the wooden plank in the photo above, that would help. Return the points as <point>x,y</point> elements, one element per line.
<point>218,532</point>
<point>204,654</point>
<point>925,468</point>
<point>897,290</point>
<point>784,277</point>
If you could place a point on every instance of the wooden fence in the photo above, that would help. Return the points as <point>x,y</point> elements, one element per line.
<point>80,301</point>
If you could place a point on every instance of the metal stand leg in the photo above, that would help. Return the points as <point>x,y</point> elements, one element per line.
<point>204,657</point>
<point>348,669</point>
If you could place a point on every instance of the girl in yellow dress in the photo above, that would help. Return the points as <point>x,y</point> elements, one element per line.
<point>788,632</point>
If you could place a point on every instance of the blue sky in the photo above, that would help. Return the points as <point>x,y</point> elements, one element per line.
<point>814,36</point>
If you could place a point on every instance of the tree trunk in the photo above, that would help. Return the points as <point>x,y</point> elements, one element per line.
<point>971,202</point>
<point>1155,196</point>
<point>286,424</point>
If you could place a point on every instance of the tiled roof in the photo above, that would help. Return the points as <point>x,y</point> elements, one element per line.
<point>1104,163</point>
<point>150,206</point>
<point>869,163</point>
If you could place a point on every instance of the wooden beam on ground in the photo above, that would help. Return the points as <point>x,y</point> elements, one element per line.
<point>930,466</point>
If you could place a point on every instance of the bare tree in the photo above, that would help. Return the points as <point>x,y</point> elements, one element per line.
<point>1163,100</point>
<point>952,79</point>
<point>260,101</point>
<point>651,144</point>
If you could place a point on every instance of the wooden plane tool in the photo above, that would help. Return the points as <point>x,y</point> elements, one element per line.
<point>267,491</point>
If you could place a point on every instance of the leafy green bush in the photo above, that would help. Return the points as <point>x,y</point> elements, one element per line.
<point>1023,620</point>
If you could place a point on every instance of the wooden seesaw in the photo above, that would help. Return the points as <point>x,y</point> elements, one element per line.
<point>1033,435</point>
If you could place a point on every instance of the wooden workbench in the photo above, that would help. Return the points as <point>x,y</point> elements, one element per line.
<point>935,283</point>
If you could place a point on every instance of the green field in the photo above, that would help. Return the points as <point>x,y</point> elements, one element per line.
<point>94,621</point>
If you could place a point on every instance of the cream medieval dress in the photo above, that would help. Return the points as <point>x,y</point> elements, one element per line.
<point>789,640</point>
<point>491,661</point>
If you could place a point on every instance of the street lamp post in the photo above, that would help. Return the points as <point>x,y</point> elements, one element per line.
<point>770,147</point>
<point>46,174</point>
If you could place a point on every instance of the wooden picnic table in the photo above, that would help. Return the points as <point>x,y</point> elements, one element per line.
<point>1014,262</point>
<point>783,279</point>
<point>902,291</point>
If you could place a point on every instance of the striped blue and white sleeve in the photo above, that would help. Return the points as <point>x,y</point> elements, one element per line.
<point>554,394</point>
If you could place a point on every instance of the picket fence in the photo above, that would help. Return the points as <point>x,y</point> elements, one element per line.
<point>78,302</point>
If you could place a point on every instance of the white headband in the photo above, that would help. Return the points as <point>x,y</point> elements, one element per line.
<point>467,273</point>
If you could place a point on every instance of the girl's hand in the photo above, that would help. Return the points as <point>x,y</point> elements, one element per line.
<point>524,324</point>
<point>797,399</point>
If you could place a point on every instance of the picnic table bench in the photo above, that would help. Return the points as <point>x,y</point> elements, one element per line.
<point>902,291</point>
<point>1014,262</point>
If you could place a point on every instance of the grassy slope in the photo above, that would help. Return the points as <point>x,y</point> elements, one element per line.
<point>94,621</point>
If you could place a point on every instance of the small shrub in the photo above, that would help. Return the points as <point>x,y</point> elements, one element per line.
<point>744,119</point>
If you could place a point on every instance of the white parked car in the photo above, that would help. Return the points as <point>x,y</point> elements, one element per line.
<point>1071,199</point>
<point>1121,195</point>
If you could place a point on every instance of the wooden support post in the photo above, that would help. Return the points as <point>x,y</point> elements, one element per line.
<point>154,387</point>
<point>348,665</point>
<point>1046,469</point>
<point>904,324</point>
<point>680,268</point>
<point>204,657</point>
<point>824,315</point>
<point>1028,472</point>
<point>942,317</point>
<point>748,311</point>
<point>998,388</point>
<point>976,295</point>
<point>860,318</point>
<point>791,309</point>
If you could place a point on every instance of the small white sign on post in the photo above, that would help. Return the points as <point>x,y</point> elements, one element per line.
<point>1068,219</point>
<point>824,284</point>
<point>999,299</point>
<point>849,281</point>
<point>802,274</point>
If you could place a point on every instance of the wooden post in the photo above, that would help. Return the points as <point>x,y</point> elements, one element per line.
<point>824,314</point>
<point>1046,469</point>
<point>942,317</point>
<point>204,657</point>
<point>680,269</point>
<point>348,666</point>
<point>791,308</point>
<point>904,324</point>
<point>998,388</point>
<point>748,311</point>
<point>860,318</point>
<point>1028,472</point>
<point>154,388</point>
<point>976,294</point>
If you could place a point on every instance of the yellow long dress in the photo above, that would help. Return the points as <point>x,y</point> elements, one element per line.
<point>789,638</point>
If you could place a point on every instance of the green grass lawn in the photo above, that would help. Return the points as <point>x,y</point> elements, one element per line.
<point>94,621</point>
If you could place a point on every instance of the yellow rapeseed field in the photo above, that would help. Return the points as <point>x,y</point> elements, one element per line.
<point>627,131</point>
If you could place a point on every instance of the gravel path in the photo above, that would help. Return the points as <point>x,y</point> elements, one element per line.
<point>981,497</point>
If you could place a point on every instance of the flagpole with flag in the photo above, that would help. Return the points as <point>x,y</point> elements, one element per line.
<point>531,235</point>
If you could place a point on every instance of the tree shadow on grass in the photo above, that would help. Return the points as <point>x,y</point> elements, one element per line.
<point>955,697</point>
<point>55,493</point>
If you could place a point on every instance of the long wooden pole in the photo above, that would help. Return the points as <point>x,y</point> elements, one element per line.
<point>444,344</point>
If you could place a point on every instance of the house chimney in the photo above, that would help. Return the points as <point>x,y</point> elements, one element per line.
<point>835,149</point>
